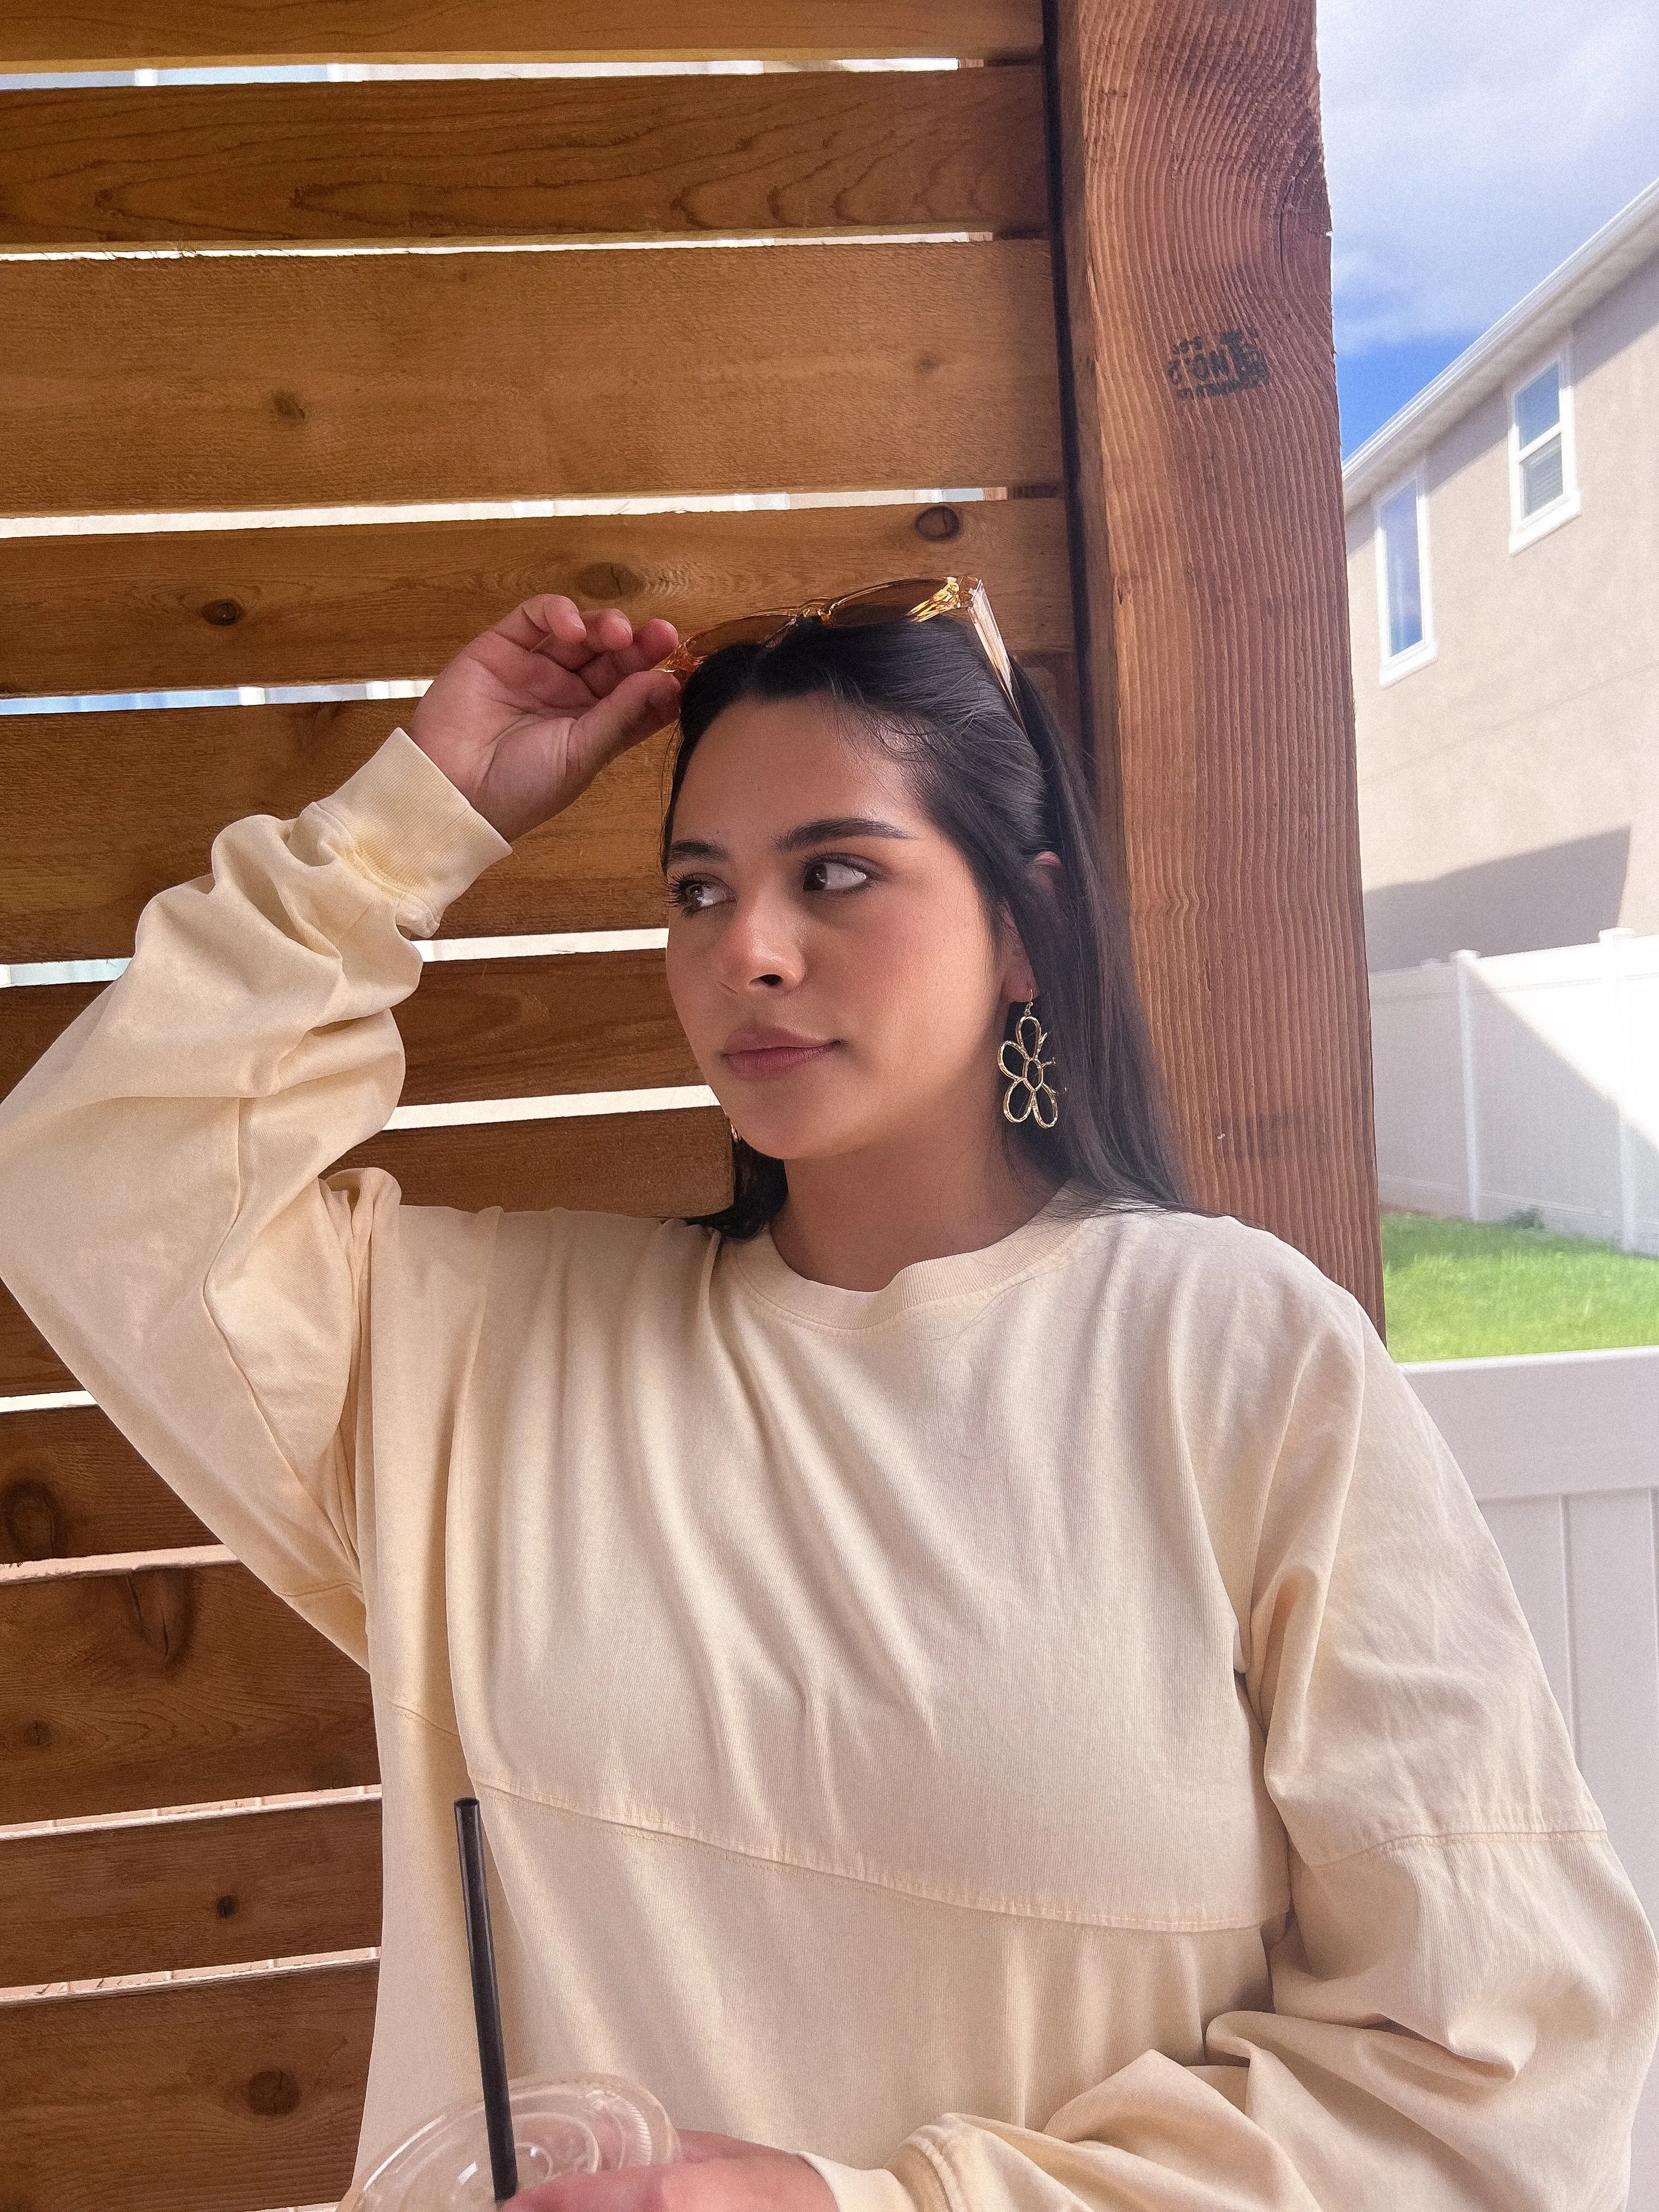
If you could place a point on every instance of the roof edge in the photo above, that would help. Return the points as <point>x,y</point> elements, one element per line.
<point>1583,279</point>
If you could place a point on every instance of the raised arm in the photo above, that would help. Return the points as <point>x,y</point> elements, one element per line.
<point>162,1219</point>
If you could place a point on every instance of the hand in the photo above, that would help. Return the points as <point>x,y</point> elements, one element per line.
<point>524,718</point>
<point>717,2173</point>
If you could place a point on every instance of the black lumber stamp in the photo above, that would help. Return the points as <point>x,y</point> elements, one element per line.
<point>1206,368</point>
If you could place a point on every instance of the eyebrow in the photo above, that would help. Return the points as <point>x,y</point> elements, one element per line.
<point>824,831</point>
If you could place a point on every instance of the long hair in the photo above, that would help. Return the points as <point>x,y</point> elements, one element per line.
<point>924,693</point>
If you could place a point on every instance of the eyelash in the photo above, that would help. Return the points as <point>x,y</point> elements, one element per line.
<point>682,888</point>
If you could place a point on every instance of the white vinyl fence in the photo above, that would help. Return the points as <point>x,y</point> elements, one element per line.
<point>1562,1450</point>
<point>1526,1082</point>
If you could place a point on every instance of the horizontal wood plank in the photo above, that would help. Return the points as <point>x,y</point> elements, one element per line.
<point>656,1164</point>
<point>305,380</point>
<point>98,812</point>
<point>332,163</point>
<point>71,1486</point>
<point>27,1362</point>
<point>278,1884</point>
<point>38,34</point>
<point>216,2096</point>
<point>169,609</point>
<point>171,1685</point>
<point>474,1028</point>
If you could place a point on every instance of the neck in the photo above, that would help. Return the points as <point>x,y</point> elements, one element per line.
<point>854,1221</point>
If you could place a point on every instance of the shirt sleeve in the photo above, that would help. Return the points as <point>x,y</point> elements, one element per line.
<point>164,1217</point>
<point>1465,1993</point>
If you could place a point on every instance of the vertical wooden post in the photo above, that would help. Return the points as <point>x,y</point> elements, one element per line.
<point>1208,513</point>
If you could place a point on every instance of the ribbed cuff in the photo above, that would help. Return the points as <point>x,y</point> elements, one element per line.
<point>863,2189</point>
<point>401,822</point>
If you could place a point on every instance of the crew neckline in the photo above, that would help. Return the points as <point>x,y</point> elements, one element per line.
<point>923,1283</point>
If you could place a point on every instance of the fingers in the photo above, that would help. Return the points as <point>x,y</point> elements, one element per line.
<point>556,628</point>
<point>639,703</point>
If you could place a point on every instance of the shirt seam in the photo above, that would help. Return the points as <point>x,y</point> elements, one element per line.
<point>396,887</point>
<point>1443,1839</point>
<point>1140,1925</point>
<point>425,1720</point>
<point>976,1292</point>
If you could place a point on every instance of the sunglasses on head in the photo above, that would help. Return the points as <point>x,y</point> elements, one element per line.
<point>907,598</point>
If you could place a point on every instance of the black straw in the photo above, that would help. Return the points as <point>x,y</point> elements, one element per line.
<point>486,2002</point>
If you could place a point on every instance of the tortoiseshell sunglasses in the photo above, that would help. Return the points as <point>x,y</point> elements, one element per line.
<point>907,598</point>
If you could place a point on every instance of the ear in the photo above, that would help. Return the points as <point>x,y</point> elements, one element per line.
<point>1018,977</point>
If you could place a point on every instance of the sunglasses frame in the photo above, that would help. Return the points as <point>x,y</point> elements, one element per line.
<point>943,595</point>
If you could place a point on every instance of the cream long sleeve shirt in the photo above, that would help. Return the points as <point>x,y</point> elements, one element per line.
<point>1055,1732</point>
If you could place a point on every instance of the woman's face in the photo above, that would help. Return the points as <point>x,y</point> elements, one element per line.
<point>828,953</point>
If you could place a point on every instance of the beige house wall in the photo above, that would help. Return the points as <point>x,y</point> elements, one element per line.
<point>1509,790</point>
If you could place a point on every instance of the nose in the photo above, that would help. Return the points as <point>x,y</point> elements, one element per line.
<point>759,947</point>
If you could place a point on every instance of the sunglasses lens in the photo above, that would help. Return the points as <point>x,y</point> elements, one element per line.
<point>883,603</point>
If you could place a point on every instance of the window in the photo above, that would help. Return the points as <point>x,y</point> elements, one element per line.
<point>1402,579</point>
<point>1543,489</point>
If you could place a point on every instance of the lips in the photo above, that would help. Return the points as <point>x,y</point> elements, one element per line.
<point>756,1051</point>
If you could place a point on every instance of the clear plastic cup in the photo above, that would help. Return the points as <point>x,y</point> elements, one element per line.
<point>590,2124</point>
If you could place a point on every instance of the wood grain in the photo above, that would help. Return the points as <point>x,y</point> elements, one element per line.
<point>475,1028</point>
<point>1199,292</point>
<point>71,1486</point>
<point>27,1362</point>
<point>332,163</point>
<point>213,608</point>
<point>655,1164</point>
<point>98,812</point>
<point>293,381</point>
<point>173,1685</point>
<point>35,33</point>
<point>278,1884</point>
<point>222,2096</point>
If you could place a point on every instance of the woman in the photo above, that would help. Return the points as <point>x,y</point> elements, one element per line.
<point>974,1672</point>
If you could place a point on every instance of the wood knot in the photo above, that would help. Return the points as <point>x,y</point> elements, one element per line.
<point>38,1736</point>
<point>609,580</point>
<point>273,2093</point>
<point>936,524</point>
<point>32,1522</point>
<point>225,1907</point>
<point>221,613</point>
<point>288,406</point>
<point>928,361</point>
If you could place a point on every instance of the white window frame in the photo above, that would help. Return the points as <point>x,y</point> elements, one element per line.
<point>1394,666</point>
<point>1527,529</point>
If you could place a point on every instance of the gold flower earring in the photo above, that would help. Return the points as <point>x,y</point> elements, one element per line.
<point>1028,1096</point>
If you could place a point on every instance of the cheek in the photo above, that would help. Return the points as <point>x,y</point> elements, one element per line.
<point>927,979</point>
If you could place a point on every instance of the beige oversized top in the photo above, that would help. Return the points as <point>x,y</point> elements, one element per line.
<point>1054,1731</point>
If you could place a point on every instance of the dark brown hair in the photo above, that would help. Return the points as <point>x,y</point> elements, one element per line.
<point>925,695</point>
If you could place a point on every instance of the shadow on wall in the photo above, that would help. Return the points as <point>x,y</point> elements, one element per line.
<point>1562,894</point>
<point>1527,1082</point>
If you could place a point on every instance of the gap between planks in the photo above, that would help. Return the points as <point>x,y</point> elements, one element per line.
<point>248,1970</point>
<point>157,1816</point>
<point>25,974</point>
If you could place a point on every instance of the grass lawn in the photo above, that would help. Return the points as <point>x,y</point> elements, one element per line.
<point>1464,1290</point>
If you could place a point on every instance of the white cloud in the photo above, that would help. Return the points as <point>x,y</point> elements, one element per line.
<point>1471,145</point>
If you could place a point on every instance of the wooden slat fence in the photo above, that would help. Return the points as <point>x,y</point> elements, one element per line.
<point>1562,1449</point>
<point>905,385</point>
<point>305,382</point>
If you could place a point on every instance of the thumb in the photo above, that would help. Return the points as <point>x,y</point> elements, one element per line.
<point>641,704</point>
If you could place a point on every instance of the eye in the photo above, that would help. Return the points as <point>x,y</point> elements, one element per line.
<point>831,874</point>
<point>697,894</point>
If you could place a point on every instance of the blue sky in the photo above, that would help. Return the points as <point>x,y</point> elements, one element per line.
<point>1470,146</point>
